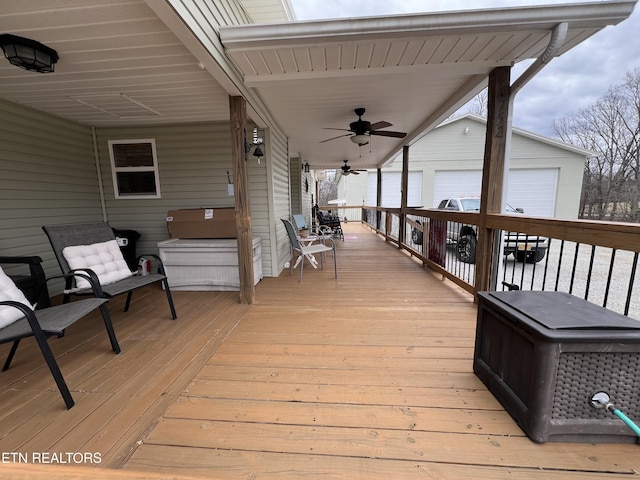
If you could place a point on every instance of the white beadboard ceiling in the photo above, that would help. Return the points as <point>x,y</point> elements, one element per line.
<point>120,64</point>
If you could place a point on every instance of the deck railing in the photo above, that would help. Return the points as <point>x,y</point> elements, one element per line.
<point>594,260</point>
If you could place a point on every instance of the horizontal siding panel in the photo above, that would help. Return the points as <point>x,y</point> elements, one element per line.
<point>47,176</point>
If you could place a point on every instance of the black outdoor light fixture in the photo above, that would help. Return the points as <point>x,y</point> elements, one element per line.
<point>28,54</point>
<point>257,141</point>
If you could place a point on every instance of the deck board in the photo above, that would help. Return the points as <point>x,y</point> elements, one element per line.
<point>367,376</point>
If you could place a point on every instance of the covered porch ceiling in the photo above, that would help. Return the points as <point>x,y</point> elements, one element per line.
<point>133,62</point>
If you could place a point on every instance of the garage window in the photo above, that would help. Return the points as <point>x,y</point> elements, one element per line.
<point>134,164</point>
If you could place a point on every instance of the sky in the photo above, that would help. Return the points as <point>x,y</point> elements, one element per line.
<point>572,81</point>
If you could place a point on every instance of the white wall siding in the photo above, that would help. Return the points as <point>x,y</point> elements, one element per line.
<point>47,176</point>
<point>279,182</point>
<point>193,161</point>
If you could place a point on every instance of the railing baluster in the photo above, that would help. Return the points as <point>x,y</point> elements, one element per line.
<point>589,272</point>
<point>524,259</point>
<point>546,265</point>
<point>573,269</point>
<point>559,265</point>
<point>631,280</point>
<point>609,277</point>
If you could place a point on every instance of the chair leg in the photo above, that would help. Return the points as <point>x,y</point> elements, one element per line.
<point>107,323</point>
<point>335,263</point>
<point>301,266</point>
<point>12,352</point>
<point>170,299</point>
<point>54,369</point>
<point>128,302</point>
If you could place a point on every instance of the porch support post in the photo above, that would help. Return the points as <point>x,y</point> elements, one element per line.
<point>379,198</point>
<point>238,121</point>
<point>404,194</point>
<point>493,174</point>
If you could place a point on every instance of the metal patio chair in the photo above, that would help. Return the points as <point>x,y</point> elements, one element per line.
<point>306,250</point>
<point>19,320</point>
<point>95,235</point>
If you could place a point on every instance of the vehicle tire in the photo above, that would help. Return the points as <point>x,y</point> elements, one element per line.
<point>466,249</point>
<point>530,257</point>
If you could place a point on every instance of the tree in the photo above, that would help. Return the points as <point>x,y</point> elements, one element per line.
<point>611,129</point>
<point>327,188</point>
<point>479,105</point>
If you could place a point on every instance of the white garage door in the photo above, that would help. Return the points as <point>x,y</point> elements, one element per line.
<point>534,190</point>
<point>391,189</point>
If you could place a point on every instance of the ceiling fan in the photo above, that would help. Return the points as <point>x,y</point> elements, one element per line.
<point>361,130</point>
<point>347,170</point>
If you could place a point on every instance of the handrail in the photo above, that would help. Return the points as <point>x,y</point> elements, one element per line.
<point>587,255</point>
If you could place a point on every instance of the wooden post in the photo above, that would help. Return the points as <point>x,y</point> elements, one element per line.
<point>238,121</point>
<point>379,199</point>
<point>493,172</point>
<point>404,194</point>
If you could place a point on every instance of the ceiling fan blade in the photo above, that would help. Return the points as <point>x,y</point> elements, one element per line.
<point>334,138</point>
<point>383,133</point>
<point>355,172</point>
<point>379,125</point>
<point>339,129</point>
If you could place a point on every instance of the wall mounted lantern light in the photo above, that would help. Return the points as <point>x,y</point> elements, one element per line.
<point>28,54</point>
<point>256,142</point>
<point>305,167</point>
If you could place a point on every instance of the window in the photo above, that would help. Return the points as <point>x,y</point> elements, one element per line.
<point>135,168</point>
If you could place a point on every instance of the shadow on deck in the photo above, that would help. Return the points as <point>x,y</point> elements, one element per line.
<point>366,376</point>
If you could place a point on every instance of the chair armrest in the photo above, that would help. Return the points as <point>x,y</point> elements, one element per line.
<point>35,269</point>
<point>32,260</point>
<point>86,273</point>
<point>27,312</point>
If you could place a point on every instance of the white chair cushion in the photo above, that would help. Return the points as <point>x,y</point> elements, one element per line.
<point>104,258</point>
<point>9,291</point>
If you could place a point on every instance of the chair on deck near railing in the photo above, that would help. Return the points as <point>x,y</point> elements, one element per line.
<point>300,221</point>
<point>304,250</point>
<point>93,246</point>
<point>18,320</point>
<point>329,224</point>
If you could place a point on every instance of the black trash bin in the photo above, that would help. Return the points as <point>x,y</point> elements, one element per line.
<point>127,241</point>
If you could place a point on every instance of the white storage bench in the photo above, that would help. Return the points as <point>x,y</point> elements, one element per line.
<point>206,264</point>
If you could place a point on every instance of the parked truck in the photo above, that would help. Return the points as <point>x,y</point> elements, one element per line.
<point>525,248</point>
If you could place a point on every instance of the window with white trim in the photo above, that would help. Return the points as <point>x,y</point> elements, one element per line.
<point>135,168</point>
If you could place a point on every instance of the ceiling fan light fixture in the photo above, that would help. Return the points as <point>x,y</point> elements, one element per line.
<point>360,140</point>
<point>28,54</point>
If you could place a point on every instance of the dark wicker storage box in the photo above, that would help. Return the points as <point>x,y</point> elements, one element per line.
<point>544,354</point>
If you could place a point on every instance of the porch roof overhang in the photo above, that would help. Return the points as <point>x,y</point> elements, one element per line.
<point>410,70</point>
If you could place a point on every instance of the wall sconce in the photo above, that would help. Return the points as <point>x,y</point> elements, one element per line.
<point>28,54</point>
<point>306,168</point>
<point>256,142</point>
<point>466,130</point>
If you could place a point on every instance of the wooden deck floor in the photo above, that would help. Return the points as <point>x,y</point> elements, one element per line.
<point>367,376</point>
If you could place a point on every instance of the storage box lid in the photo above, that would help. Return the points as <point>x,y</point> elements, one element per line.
<point>562,311</point>
<point>202,223</point>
